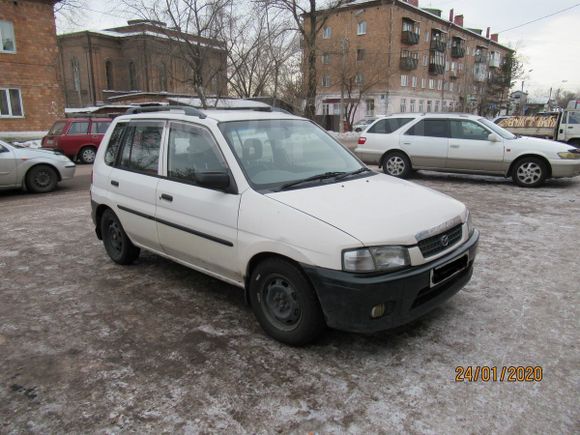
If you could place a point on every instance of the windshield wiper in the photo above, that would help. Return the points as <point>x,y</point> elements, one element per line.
<point>355,172</point>
<point>313,178</point>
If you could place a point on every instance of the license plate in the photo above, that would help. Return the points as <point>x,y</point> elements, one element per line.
<point>448,270</point>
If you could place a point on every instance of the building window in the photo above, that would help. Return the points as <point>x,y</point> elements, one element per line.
<point>326,32</point>
<point>370,107</point>
<point>359,79</point>
<point>109,74</point>
<point>412,106</point>
<point>360,54</point>
<point>404,80</point>
<point>326,81</point>
<point>361,29</point>
<point>451,86</point>
<point>76,73</point>
<point>439,84</point>
<point>444,107</point>
<point>413,82</point>
<point>437,106</point>
<point>326,58</point>
<point>426,36</point>
<point>425,60</point>
<point>7,40</point>
<point>423,83</point>
<point>421,107</point>
<point>403,105</point>
<point>453,64</point>
<point>325,109</point>
<point>10,103</point>
<point>429,104</point>
<point>132,76</point>
<point>162,77</point>
<point>431,84</point>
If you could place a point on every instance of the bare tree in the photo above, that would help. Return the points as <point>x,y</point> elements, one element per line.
<point>308,19</point>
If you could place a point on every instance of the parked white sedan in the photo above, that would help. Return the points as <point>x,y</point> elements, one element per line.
<point>466,144</point>
<point>37,170</point>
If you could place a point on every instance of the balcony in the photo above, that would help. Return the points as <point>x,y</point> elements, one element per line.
<point>438,44</point>
<point>457,51</point>
<point>436,68</point>
<point>409,62</point>
<point>453,75</point>
<point>480,57</point>
<point>409,37</point>
<point>494,62</point>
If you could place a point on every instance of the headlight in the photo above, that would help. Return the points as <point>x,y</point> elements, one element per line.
<point>470,227</point>
<point>571,154</point>
<point>378,258</point>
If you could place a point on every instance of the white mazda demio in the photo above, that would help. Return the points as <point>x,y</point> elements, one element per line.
<point>271,203</point>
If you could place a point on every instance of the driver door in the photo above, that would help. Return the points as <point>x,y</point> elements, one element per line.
<point>471,150</point>
<point>7,167</point>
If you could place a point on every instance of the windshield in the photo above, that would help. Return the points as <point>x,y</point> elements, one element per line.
<point>497,129</point>
<point>57,128</point>
<point>275,153</point>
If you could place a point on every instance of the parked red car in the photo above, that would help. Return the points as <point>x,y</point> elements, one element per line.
<point>77,138</point>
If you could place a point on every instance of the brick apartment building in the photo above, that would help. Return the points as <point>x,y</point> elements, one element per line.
<point>142,57</point>
<point>30,93</point>
<point>394,56</point>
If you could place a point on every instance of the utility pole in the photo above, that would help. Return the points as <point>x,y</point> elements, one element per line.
<point>343,48</point>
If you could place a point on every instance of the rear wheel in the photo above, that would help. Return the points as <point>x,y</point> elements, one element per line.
<point>116,241</point>
<point>397,164</point>
<point>87,155</point>
<point>529,172</point>
<point>41,179</point>
<point>285,303</point>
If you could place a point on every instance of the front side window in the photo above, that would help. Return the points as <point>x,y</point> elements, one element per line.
<point>273,153</point>
<point>192,150</point>
<point>430,127</point>
<point>141,145</point>
<point>464,129</point>
<point>388,125</point>
<point>10,103</point>
<point>79,127</point>
<point>7,40</point>
<point>100,127</point>
<point>573,118</point>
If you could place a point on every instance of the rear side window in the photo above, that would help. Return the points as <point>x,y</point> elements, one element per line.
<point>386,126</point>
<point>57,128</point>
<point>140,147</point>
<point>78,128</point>
<point>464,129</point>
<point>192,150</point>
<point>431,128</point>
<point>100,127</point>
<point>114,144</point>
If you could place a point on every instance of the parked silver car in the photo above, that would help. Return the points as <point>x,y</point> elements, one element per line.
<point>37,170</point>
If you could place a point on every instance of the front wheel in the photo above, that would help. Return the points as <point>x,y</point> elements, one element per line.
<point>397,165</point>
<point>285,303</point>
<point>529,172</point>
<point>116,241</point>
<point>41,179</point>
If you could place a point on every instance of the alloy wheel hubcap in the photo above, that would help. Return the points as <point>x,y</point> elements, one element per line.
<point>529,173</point>
<point>395,165</point>
<point>88,156</point>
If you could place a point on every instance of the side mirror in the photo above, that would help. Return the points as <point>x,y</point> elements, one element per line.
<point>493,138</point>
<point>214,180</point>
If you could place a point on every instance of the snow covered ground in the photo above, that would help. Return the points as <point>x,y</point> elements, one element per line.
<point>30,143</point>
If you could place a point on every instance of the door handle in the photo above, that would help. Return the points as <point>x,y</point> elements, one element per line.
<point>406,143</point>
<point>115,183</point>
<point>453,146</point>
<point>166,197</point>
<point>570,126</point>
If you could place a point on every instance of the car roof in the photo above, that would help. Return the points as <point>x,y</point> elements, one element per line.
<point>83,119</point>
<point>216,115</point>
<point>433,115</point>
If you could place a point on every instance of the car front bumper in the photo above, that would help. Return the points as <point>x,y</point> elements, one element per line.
<point>565,168</point>
<point>347,298</point>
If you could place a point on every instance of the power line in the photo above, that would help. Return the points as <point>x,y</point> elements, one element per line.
<point>540,18</point>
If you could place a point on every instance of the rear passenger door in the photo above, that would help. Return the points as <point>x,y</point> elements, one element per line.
<point>426,142</point>
<point>75,137</point>
<point>133,180</point>
<point>196,224</point>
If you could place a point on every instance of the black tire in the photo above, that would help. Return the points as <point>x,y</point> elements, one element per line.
<point>285,303</point>
<point>116,242</point>
<point>41,179</point>
<point>87,155</point>
<point>529,172</point>
<point>397,164</point>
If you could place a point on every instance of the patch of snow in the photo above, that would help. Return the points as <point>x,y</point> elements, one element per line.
<point>30,144</point>
<point>344,135</point>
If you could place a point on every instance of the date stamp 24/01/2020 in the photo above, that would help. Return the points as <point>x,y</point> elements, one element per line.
<point>499,374</point>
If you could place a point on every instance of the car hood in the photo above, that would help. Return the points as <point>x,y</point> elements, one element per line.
<point>36,152</point>
<point>541,144</point>
<point>378,209</point>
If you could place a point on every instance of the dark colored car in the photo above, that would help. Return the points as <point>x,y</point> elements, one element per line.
<point>77,138</point>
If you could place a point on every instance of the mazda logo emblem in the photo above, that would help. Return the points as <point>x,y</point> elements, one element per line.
<point>444,240</point>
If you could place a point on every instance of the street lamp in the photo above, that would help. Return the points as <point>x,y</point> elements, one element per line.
<point>523,80</point>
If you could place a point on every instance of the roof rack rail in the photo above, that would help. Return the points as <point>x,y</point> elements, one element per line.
<point>189,111</point>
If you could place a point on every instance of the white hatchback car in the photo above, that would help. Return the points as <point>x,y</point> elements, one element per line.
<point>452,142</point>
<point>271,203</point>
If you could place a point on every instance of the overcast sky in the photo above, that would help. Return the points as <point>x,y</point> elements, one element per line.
<point>550,47</point>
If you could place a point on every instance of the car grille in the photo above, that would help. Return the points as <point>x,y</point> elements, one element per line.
<point>435,244</point>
